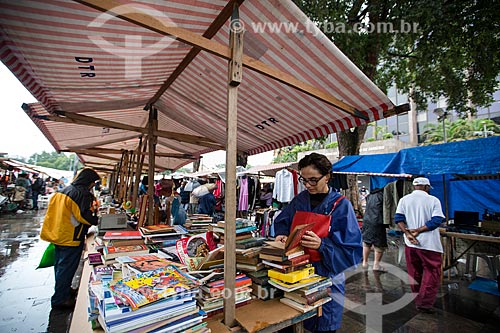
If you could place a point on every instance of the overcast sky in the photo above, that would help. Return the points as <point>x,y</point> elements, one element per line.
<point>18,134</point>
<point>20,137</point>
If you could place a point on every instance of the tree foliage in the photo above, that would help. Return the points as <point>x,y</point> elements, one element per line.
<point>435,49</point>
<point>460,129</point>
<point>53,160</point>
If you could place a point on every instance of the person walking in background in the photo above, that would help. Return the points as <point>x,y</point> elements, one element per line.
<point>419,215</point>
<point>38,188</point>
<point>266,198</point>
<point>336,251</point>
<point>206,203</point>
<point>374,231</point>
<point>69,215</point>
<point>22,190</point>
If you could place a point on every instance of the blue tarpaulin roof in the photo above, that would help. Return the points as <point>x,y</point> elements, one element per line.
<point>479,156</point>
<point>439,163</point>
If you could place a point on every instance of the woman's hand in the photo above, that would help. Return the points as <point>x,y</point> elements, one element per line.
<point>281,238</point>
<point>311,240</point>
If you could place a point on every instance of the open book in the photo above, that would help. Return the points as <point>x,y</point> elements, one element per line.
<point>292,243</point>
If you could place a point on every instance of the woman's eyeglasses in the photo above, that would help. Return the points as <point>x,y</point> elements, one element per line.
<point>310,181</point>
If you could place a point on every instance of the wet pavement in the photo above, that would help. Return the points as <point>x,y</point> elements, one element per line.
<point>24,290</point>
<point>25,293</point>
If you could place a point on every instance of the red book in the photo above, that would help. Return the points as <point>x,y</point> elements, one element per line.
<point>122,234</point>
<point>111,252</point>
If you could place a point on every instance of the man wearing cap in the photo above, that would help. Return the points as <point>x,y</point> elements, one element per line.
<point>206,204</point>
<point>419,215</point>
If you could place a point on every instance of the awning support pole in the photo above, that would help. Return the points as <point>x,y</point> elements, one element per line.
<point>234,78</point>
<point>137,175</point>
<point>152,127</point>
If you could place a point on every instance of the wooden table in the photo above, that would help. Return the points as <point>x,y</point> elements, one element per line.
<point>449,258</point>
<point>257,316</point>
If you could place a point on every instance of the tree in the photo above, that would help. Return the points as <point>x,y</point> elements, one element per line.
<point>435,49</point>
<point>52,160</point>
<point>460,129</point>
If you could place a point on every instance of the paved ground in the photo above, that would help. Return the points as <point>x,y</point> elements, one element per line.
<point>25,293</point>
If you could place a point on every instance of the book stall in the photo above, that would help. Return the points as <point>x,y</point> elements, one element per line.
<point>189,112</point>
<point>131,284</point>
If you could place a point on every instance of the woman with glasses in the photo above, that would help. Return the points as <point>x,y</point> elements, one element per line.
<point>339,249</point>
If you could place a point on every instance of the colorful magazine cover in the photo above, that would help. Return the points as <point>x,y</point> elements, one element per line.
<point>151,286</point>
<point>192,250</point>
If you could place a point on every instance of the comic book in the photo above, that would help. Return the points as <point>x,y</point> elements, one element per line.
<point>152,286</point>
<point>192,251</point>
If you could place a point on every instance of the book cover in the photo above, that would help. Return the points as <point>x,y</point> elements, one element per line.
<point>286,268</point>
<point>249,243</point>
<point>321,284</point>
<point>295,237</point>
<point>302,307</point>
<point>308,299</point>
<point>152,286</point>
<point>148,265</point>
<point>295,257</point>
<point>111,252</point>
<point>122,234</point>
<point>95,259</point>
<point>294,286</point>
<point>291,277</point>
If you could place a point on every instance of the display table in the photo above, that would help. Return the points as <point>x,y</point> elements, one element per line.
<point>257,316</point>
<point>450,259</point>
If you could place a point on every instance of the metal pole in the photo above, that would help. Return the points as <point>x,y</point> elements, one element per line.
<point>444,129</point>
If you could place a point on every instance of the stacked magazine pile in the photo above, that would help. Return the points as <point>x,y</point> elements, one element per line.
<point>133,265</point>
<point>211,298</point>
<point>161,234</point>
<point>198,223</point>
<point>162,300</point>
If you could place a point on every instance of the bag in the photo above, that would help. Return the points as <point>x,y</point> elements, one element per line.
<point>321,226</point>
<point>49,257</point>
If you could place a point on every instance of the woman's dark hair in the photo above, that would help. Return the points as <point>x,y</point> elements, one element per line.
<point>318,161</point>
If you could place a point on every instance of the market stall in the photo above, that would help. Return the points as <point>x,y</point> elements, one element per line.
<point>94,96</point>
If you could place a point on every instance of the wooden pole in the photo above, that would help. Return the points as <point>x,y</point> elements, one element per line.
<point>234,78</point>
<point>137,174</point>
<point>152,127</point>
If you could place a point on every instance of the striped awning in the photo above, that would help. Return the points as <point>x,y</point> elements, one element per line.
<point>106,60</point>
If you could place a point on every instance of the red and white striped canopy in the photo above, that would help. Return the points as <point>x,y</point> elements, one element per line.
<point>108,59</point>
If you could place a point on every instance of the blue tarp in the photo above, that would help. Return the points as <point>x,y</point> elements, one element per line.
<point>440,163</point>
<point>363,163</point>
<point>479,156</point>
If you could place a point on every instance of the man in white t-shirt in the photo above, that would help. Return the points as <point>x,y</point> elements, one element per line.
<point>419,215</point>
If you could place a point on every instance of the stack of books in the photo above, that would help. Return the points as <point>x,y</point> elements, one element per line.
<point>212,292</point>
<point>248,260</point>
<point>310,297</point>
<point>244,229</point>
<point>161,300</point>
<point>118,238</point>
<point>261,286</point>
<point>161,234</point>
<point>112,252</point>
<point>197,223</point>
<point>276,256</point>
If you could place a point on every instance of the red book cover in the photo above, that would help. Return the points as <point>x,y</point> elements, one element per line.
<point>122,234</point>
<point>320,226</point>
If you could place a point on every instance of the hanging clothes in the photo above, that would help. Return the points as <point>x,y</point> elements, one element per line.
<point>393,192</point>
<point>243,201</point>
<point>283,186</point>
